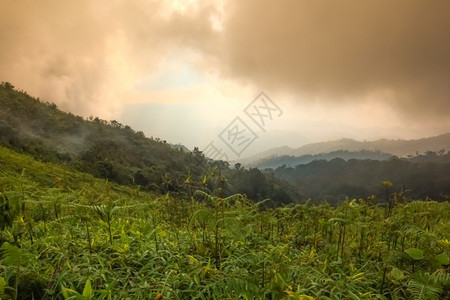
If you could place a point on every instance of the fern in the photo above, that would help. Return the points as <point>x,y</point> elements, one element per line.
<point>14,256</point>
<point>424,287</point>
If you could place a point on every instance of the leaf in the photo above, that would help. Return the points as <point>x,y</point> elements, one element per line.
<point>88,292</point>
<point>397,274</point>
<point>442,259</point>
<point>70,293</point>
<point>65,292</point>
<point>3,283</point>
<point>415,253</point>
<point>13,256</point>
<point>424,287</point>
<point>197,279</point>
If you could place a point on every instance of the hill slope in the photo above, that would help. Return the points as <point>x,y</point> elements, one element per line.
<point>110,150</point>
<point>104,149</point>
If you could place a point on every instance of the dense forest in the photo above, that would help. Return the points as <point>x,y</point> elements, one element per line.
<point>424,176</point>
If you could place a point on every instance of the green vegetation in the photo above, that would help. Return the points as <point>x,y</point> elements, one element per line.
<point>420,177</point>
<point>91,209</point>
<point>113,151</point>
<point>68,235</point>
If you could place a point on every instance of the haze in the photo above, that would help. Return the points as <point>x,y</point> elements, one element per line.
<point>183,70</point>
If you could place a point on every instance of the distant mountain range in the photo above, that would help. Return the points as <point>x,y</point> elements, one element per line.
<point>347,149</point>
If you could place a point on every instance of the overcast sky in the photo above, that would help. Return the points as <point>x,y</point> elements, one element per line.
<point>184,70</point>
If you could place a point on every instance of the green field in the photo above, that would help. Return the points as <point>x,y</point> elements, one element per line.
<point>68,235</point>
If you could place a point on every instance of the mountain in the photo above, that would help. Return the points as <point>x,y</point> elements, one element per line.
<point>292,161</point>
<point>400,148</point>
<point>348,148</point>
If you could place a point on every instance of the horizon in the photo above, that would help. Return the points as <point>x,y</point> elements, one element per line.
<point>191,72</point>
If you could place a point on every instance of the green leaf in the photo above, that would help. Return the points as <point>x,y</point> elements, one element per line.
<point>13,256</point>
<point>69,293</point>
<point>65,292</point>
<point>415,253</point>
<point>442,259</point>
<point>87,292</point>
<point>3,284</point>
<point>197,279</point>
<point>397,274</point>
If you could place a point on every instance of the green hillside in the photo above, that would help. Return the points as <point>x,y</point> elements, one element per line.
<point>113,151</point>
<point>67,235</point>
<point>105,149</point>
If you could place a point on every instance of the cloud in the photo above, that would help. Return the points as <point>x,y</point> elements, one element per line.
<point>87,56</point>
<point>343,50</point>
<point>90,57</point>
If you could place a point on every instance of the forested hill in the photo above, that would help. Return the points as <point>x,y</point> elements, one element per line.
<point>292,161</point>
<point>105,149</point>
<point>426,176</point>
<point>348,148</point>
<point>111,150</point>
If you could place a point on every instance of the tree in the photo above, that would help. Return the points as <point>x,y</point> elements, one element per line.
<point>7,85</point>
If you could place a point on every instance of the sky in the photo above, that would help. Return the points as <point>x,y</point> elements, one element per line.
<point>237,77</point>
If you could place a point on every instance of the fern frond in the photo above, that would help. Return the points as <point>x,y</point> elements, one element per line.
<point>424,287</point>
<point>14,256</point>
